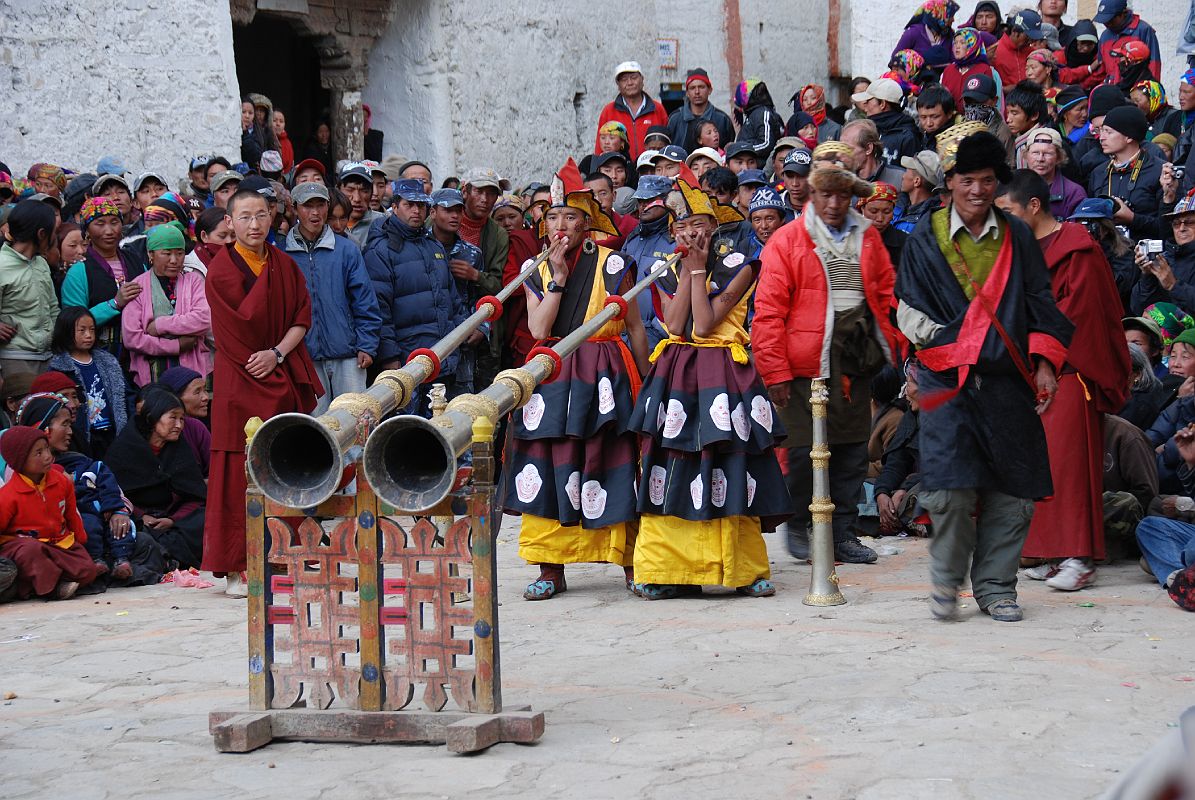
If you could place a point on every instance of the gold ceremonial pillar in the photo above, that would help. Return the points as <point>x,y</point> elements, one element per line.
<point>823,580</point>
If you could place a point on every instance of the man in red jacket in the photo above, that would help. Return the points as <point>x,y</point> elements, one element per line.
<point>1023,36</point>
<point>822,310</point>
<point>633,107</point>
<point>1068,527</point>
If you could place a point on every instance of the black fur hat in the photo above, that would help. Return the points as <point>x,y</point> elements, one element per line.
<point>981,151</point>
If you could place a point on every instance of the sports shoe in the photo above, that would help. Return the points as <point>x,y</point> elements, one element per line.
<point>943,602</point>
<point>1005,610</point>
<point>798,543</point>
<point>1073,574</point>
<point>853,551</point>
<point>1042,571</point>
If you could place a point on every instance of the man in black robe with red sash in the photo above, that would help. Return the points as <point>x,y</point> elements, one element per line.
<point>974,298</point>
<point>261,311</point>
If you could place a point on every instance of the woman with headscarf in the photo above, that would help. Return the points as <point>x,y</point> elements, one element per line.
<point>1150,97</point>
<point>908,67</point>
<point>191,388</point>
<point>103,281</point>
<point>811,98</point>
<point>928,32</point>
<point>970,58</point>
<point>1042,69</point>
<point>160,477</point>
<point>168,323</point>
<point>759,124</point>
<point>1079,63</point>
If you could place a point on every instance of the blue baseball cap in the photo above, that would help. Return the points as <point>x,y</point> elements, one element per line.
<point>1109,9</point>
<point>749,177</point>
<point>411,190</point>
<point>740,148</point>
<point>444,198</point>
<point>652,186</point>
<point>673,152</point>
<point>1093,208</point>
<point>766,197</point>
<point>1030,23</point>
<point>111,165</point>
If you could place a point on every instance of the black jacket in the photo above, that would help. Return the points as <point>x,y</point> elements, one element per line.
<point>1182,263</point>
<point>1139,186</point>
<point>899,134</point>
<point>762,126</point>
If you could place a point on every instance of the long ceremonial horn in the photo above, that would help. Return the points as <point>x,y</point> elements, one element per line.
<point>297,460</point>
<point>411,462</point>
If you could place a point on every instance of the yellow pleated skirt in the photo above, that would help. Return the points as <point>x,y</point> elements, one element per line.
<point>546,541</point>
<point>729,552</point>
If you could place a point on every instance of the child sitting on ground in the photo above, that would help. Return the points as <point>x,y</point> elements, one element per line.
<point>40,528</point>
<point>110,540</point>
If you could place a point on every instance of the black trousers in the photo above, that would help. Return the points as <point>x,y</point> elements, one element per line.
<point>848,468</point>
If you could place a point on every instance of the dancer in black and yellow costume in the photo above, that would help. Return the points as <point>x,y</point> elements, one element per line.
<point>573,461</point>
<point>710,479</point>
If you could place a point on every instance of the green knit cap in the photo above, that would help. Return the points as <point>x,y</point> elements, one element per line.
<point>164,237</point>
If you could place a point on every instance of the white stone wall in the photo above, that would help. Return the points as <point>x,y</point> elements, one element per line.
<point>875,26</point>
<point>520,87</point>
<point>152,83</point>
<point>516,88</point>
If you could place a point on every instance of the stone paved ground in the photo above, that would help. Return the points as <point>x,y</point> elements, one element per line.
<point>710,697</point>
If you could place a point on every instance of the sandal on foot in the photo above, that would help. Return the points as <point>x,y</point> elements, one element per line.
<point>543,589</point>
<point>761,587</point>
<point>657,591</point>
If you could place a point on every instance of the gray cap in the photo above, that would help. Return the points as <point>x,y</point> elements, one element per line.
<point>224,177</point>
<point>107,178</point>
<point>144,176</point>
<point>48,198</point>
<point>480,177</point>
<point>310,190</point>
<point>927,165</point>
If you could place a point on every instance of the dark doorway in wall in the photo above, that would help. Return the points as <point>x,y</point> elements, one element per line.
<point>273,59</point>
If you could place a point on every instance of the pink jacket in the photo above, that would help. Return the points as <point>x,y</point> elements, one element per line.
<point>192,317</point>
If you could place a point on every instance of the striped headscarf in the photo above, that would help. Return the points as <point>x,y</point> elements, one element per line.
<point>976,52</point>
<point>1155,93</point>
<point>937,15</point>
<point>742,94</point>
<point>615,128</point>
<point>908,62</point>
<point>94,208</point>
<point>1171,319</point>
<point>50,171</point>
<point>882,191</point>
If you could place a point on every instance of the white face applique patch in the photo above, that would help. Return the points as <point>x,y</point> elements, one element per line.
<point>593,500</point>
<point>528,483</point>
<point>655,484</point>
<point>533,412</point>
<point>718,488</point>
<point>614,264</point>
<point>742,425</point>
<point>697,492</point>
<point>750,490</point>
<point>605,395</point>
<point>674,419</point>
<point>572,487</point>
<point>734,259</point>
<point>720,411</point>
<point>761,412</point>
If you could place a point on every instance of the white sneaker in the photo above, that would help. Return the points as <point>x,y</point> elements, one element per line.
<point>1073,574</point>
<point>236,585</point>
<point>1042,571</point>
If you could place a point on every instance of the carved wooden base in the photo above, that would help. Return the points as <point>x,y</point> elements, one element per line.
<point>244,730</point>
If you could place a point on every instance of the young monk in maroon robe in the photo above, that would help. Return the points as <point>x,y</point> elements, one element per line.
<point>1068,528</point>
<point>260,312</point>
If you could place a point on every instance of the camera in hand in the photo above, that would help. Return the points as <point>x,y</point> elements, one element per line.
<point>1149,248</point>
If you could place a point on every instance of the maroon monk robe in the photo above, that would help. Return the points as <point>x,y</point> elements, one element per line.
<point>249,314</point>
<point>1095,380</point>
